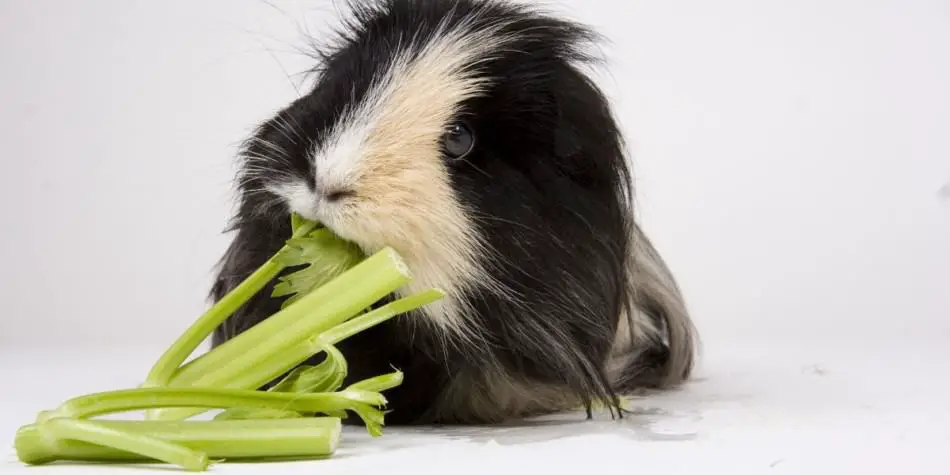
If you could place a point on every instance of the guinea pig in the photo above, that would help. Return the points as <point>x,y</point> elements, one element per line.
<point>466,136</point>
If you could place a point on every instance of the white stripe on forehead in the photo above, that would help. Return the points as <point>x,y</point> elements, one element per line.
<point>410,99</point>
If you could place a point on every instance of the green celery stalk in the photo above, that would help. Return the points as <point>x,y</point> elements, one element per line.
<point>327,376</point>
<point>243,413</point>
<point>47,441</point>
<point>320,310</point>
<point>378,383</point>
<point>374,419</point>
<point>124,400</point>
<point>169,362</point>
<point>379,315</point>
<point>333,368</point>
<point>55,440</point>
<point>281,362</point>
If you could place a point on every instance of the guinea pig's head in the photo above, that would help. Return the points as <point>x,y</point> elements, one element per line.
<point>465,136</point>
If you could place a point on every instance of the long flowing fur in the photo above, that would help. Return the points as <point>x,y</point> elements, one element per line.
<point>557,299</point>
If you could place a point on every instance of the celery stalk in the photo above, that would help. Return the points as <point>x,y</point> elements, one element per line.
<point>378,383</point>
<point>280,363</point>
<point>124,400</point>
<point>372,318</point>
<point>312,437</point>
<point>185,345</point>
<point>243,413</point>
<point>330,298</point>
<point>44,442</point>
<point>320,310</point>
<point>283,361</point>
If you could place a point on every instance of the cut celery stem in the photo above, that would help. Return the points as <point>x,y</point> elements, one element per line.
<point>45,442</point>
<point>311,437</point>
<point>283,361</point>
<point>124,400</point>
<point>320,310</point>
<point>168,364</point>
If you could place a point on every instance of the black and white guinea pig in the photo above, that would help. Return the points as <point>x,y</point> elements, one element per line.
<point>464,135</point>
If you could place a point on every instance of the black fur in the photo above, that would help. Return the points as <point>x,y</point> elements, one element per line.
<point>548,184</point>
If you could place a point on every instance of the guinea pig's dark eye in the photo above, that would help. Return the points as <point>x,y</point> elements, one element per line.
<point>458,141</point>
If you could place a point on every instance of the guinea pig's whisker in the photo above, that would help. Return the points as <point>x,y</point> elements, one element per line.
<point>287,130</point>
<point>257,183</point>
<point>254,172</point>
<point>475,167</point>
<point>263,207</point>
<point>278,151</point>
<point>266,163</point>
<point>258,157</point>
<point>296,127</point>
<point>479,216</point>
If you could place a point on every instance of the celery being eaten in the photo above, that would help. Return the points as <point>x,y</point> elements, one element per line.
<point>329,298</point>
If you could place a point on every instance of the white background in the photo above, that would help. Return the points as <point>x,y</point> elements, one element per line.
<point>792,158</point>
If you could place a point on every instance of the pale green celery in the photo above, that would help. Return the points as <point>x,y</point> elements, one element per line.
<point>323,255</point>
<point>242,413</point>
<point>373,418</point>
<point>318,311</point>
<point>254,378</point>
<point>378,383</point>
<point>280,362</point>
<point>110,402</point>
<point>168,364</point>
<point>312,437</point>
<point>327,376</point>
<point>298,222</point>
<point>288,380</point>
<point>376,316</point>
<point>322,377</point>
<point>335,363</point>
<point>308,379</point>
<point>48,441</point>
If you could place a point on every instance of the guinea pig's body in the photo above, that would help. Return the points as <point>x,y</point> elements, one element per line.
<point>465,136</point>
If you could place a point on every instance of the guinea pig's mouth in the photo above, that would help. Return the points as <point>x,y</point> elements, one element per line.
<point>323,207</point>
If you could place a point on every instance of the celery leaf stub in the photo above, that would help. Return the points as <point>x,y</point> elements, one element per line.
<point>323,256</point>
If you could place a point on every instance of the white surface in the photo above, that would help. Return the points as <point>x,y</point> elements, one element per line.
<point>785,408</point>
<point>790,156</point>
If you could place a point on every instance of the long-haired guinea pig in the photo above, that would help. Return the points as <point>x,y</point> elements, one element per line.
<point>464,135</point>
